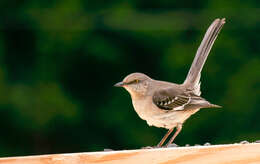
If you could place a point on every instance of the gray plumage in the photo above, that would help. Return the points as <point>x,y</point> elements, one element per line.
<point>169,105</point>
<point>193,78</point>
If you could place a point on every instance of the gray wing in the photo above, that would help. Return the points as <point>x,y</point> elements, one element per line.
<point>170,99</point>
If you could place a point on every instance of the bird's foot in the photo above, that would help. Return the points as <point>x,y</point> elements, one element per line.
<point>171,145</point>
<point>150,147</point>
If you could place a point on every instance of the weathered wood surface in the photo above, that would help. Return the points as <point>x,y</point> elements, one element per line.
<point>219,154</point>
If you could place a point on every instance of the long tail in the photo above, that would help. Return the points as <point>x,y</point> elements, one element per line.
<point>193,78</point>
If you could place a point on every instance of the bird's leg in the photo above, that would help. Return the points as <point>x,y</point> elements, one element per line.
<point>178,129</point>
<point>165,137</point>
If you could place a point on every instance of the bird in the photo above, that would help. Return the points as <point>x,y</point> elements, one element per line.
<point>168,105</point>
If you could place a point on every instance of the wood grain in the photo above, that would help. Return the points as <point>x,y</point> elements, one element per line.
<point>218,154</point>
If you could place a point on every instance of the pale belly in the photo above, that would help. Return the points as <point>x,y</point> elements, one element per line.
<point>161,118</point>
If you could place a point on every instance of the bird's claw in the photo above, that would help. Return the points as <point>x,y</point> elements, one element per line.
<point>150,147</point>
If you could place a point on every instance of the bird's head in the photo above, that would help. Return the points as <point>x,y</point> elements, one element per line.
<point>136,84</point>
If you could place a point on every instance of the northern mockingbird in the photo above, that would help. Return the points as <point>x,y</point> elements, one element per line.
<point>168,105</point>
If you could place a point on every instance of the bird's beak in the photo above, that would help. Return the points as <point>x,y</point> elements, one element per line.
<point>119,84</point>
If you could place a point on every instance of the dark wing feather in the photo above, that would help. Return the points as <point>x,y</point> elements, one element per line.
<point>169,99</point>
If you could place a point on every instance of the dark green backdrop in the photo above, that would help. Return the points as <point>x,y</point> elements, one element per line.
<point>60,59</point>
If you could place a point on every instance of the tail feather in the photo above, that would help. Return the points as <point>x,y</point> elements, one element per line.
<point>214,106</point>
<point>193,78</point>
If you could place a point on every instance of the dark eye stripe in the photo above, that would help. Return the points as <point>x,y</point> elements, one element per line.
<point>134,81</point>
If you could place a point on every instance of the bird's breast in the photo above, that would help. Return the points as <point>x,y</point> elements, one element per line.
<point>141,108</point>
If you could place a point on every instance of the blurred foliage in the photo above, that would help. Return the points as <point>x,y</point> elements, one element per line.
<point>60,59</point>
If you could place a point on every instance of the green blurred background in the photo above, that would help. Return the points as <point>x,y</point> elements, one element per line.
<point>59,61</point>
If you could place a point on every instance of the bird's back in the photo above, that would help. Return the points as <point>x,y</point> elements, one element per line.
<point>157,84</point>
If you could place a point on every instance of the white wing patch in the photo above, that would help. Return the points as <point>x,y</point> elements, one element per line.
<point>182,106</point>
<point>179,108</point>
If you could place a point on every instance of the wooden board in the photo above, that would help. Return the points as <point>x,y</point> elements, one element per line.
<point>218,154</point>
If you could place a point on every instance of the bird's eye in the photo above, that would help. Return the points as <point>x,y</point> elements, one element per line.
<point>137,81</point>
